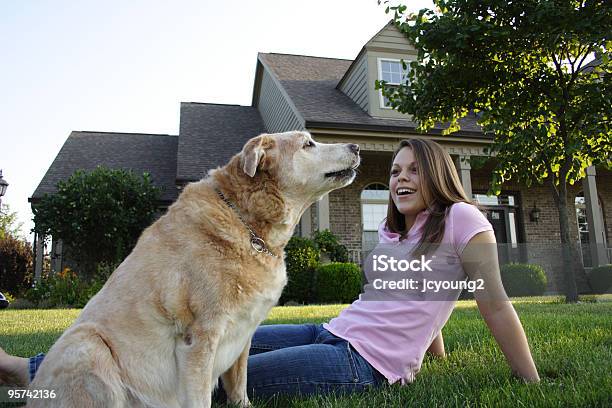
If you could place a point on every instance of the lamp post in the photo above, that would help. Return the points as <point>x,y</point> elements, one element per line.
<point>3,186</point>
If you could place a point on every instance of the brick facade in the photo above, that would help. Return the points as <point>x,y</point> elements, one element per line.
<point>345,204</point>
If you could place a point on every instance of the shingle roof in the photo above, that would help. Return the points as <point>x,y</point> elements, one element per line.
<point>210,134</point>
<point>155,154</point>
<point>592,64</point>
<point>289,67</point>
<point>311,83</point>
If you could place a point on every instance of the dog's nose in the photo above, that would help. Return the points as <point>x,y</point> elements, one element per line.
<point>354,148</point>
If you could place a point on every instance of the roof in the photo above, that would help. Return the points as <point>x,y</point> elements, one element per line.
<point>290,67</point>
<point>592,64</point>
<point>210,134</point>
<point>155,154</point>
<point>311,83</point>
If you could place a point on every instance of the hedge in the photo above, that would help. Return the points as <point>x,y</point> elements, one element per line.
<point>600,279</point>
<point>523,279</point>
<point>338,282</point>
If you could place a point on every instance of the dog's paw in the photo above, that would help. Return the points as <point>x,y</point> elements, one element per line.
<point>242,403</point>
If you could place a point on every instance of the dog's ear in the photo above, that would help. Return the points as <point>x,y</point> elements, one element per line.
<point>253,154</point>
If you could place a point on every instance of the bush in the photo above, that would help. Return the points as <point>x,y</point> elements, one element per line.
<point>301,258</point>
<point>126,202</point>
<point>600,279</point>
<point>22,304</point>
<point>338,283</point>
<point>16,260</point>
<point>523,279</point>
<point>64,289</point>
<point>328,243</point>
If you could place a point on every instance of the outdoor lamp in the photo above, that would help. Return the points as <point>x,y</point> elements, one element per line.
<point>534,214</point>
<point>3,186</point>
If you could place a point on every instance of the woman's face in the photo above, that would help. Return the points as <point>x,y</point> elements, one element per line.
<point>405,184</point>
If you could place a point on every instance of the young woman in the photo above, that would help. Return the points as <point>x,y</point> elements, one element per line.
<point>372,343</point>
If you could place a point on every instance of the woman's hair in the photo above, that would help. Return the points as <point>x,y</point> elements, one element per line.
<point>440,188</point>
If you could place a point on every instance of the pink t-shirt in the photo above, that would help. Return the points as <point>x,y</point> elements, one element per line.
<point>393,336</point>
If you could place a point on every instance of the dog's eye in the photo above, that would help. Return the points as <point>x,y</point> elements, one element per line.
<point>308,144</point>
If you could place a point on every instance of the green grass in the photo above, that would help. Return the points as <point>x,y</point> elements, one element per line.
<point>571,344</point>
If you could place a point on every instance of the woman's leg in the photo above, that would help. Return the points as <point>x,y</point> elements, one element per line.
<point>326,365</point>
<point>284,359</point>
<point>13,370</point>
<point>20,370</point>
<point>277,336</point>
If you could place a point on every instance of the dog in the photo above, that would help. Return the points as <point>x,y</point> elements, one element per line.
<point>180,310</point>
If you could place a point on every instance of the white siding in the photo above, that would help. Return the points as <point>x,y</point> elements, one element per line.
<point>275,110</point>
<point>355,86</point>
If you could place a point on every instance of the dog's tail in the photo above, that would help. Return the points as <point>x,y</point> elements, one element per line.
<point>80,370</point>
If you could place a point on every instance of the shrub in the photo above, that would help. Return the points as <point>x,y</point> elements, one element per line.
<point>301,258</point>
<point>600,279</point>
<point>328,243</point>
<point>64,289</point>
<point>338,282</point>
<point>16,260</point>
<point>39,291</point>
<point>22,304</point>
<point>523,279</point>
<point>125,201</point>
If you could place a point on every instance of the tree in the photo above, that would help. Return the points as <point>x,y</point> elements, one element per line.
<point>522,68</point>
<point>15,254</point>
<point>8,223</point>
<point>98,215</point>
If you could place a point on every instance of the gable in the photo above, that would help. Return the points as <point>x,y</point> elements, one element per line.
<point>390,39</point>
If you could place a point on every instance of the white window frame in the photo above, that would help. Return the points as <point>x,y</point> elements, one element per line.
<point>374,201</point>
<point>379,63</point>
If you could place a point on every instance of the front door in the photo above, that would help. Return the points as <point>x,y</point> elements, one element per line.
<point>501,213</point>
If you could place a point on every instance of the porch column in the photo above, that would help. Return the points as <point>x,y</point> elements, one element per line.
<point>306,223</point>
<point>464,169</point>
<point>323,212</point>
<point>39,245</point>
<point>594,219</point>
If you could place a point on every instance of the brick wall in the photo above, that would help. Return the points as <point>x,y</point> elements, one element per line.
<point>345,204</point>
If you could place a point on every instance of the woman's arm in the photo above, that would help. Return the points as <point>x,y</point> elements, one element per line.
<point>437,347</point>
<point>479,260</point>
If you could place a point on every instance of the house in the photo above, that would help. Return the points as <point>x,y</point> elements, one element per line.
<point>335,100</point>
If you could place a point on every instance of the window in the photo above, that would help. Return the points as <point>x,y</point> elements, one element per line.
<point>392,72</point>
<point>374,200</point>
<point>583,228</point>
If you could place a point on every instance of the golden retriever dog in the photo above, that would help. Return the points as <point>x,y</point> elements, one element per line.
<point>179,312</point>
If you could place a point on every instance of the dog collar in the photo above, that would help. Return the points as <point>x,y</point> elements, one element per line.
<point>257,243</point>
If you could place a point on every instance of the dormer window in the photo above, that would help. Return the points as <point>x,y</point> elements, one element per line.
<point>393,73</point>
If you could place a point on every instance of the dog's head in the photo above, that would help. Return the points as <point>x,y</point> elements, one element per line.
<point>302,168</point>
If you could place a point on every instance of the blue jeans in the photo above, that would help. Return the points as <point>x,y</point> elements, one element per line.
<point>304,359</point>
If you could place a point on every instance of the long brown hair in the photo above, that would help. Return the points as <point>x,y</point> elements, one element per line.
<point>440,187</point>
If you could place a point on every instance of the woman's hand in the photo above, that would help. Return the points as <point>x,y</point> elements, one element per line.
<point>479,260</point>
<point>436,348</point>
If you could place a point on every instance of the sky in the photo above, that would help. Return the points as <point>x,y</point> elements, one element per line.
<point>125,66</point>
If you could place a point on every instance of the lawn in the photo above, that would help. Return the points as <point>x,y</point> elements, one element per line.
<point>571,344</point>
